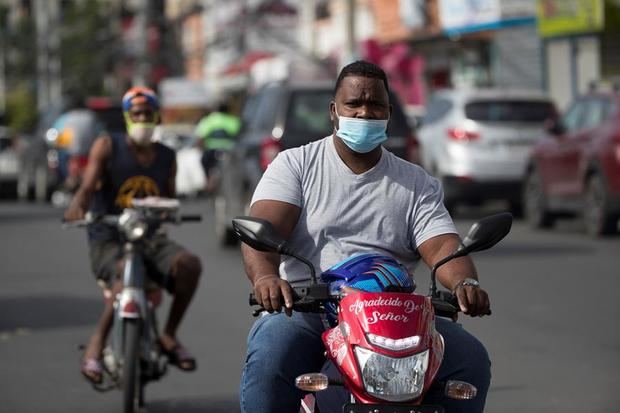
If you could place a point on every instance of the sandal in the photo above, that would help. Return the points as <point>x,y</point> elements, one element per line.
<point>92,369</point>
<point>180,357</point>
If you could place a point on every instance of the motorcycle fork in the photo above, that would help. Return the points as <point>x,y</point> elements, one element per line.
<point>130,302</point>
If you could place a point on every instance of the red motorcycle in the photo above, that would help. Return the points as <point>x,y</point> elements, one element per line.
<point>385,345</point>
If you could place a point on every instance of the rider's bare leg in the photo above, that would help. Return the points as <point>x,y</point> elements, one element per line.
<point>97,340</point>
<point>186,271</point>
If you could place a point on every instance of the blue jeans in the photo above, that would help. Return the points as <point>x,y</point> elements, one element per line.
<point>281,348</point>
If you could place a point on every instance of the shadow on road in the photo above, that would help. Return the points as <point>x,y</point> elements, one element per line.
<point>227,404</point>
<point>19,212</point>
<point>48,311</point>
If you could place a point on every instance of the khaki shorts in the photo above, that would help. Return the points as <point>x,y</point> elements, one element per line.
<point>159,254</point>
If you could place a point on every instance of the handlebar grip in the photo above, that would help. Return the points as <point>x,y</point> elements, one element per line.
<point>446,304</point>
<point>191,218</point>
<point>252,299</point>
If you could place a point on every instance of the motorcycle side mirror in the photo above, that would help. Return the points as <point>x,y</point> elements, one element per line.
<point>487,232</point>
<point>262,236</point>
<point>258,234</point>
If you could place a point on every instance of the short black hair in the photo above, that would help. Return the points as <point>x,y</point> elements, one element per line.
<point>362,68</point>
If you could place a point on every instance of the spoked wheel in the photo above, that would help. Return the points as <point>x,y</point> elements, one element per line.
<point>535,204</point>
<point>132,386</point>
<point>598,219</point>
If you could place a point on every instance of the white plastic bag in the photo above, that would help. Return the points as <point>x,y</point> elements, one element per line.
<point>190,177</point>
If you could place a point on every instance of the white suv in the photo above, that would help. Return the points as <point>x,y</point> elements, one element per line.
<point>477,142</point>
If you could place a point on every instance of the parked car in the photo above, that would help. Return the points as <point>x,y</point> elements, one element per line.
<point>575,169</point>
<point>9,161</point>
<point>477,142</point>
<point>35,177</point>
<point>280,116</point>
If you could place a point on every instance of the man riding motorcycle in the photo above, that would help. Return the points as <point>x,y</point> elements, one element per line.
<point>331,199</point>
<point>121,168</point>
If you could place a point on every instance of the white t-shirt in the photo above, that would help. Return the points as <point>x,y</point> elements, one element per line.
<point>390,209</point>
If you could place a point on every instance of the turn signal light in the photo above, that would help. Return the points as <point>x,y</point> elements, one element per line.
<point>460,390</point>
<point>312,382</point>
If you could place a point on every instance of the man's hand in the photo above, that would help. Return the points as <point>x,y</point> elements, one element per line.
<point>269,291</point>
<point>74,212</point>
<point>473,300</point>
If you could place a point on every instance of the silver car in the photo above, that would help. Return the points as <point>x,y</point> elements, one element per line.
<point>477,142</point>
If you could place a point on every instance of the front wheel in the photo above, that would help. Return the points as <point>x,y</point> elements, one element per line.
<point>535,203</point>
<point>598,219</point>
<point>132,387</point>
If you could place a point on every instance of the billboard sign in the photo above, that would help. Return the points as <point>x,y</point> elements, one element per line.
<point>458,16</point>
<point>569,17</point>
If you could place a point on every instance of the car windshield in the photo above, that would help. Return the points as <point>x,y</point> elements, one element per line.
<point>308,116</point>
<point>509,111</point>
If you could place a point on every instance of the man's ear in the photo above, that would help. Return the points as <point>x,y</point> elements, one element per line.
<point>332,114</point>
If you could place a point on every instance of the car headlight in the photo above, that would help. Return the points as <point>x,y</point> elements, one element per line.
<point>392,379</point>
<point>131,224</point>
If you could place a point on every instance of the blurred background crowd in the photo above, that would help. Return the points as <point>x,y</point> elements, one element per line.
<point>500,99</point>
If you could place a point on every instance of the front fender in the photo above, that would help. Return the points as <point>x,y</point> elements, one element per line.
<point>132,303</point>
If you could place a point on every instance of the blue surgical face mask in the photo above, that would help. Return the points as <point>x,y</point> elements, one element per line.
<point>361,135</point>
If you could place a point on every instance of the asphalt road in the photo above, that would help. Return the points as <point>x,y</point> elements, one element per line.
<point>553,336</point>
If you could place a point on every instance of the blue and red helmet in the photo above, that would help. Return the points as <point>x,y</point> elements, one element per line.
<point>140,94</point>
<point>367,272</point>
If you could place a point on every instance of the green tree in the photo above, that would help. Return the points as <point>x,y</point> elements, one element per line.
<point>21,109</point>
<point>20,71</point>
<point>87,46</point>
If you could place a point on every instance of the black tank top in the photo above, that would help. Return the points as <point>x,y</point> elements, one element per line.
<point>125,179</point>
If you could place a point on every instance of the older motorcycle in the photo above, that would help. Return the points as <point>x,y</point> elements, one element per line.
<point>133,356</point>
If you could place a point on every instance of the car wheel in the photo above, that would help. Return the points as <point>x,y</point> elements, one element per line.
<point>535,203</point>
<point>224,233</point>
<point>598,219</point>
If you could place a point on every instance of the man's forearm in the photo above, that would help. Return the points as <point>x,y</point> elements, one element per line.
<point>259,264</point>
<point>82,198</point>
<point>455,271</point>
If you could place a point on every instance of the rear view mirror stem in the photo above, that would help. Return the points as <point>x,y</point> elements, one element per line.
<point>286,251</point>
<point>433,286</point>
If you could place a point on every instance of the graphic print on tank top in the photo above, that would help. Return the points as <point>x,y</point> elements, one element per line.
<point>133,188</point>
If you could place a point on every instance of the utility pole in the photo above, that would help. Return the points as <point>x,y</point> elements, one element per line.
<point>55,74</point>
<point>350,53</point>
<point>41,16</point>
<point>141,24</point>
<point>3,35</point>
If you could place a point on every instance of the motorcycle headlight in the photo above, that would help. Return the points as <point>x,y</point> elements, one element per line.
<point>131,224</point>
<point>392,379</point>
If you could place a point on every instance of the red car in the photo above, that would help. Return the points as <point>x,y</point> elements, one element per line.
<point>575,170</point>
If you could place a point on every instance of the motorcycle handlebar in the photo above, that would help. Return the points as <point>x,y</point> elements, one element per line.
<point>305,299</point>
<point>445,304</point>
<point>308,299</point>
<point>113,220</point>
